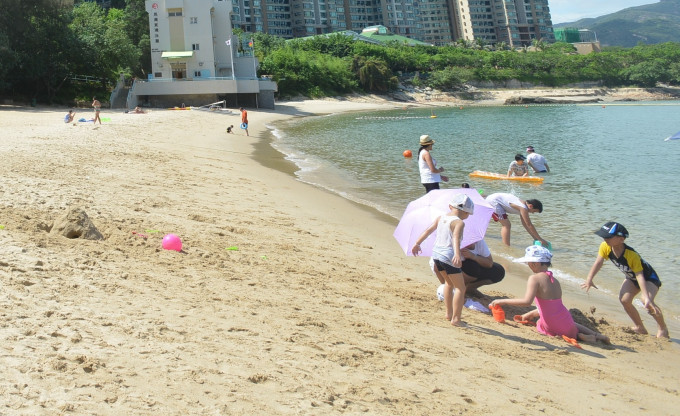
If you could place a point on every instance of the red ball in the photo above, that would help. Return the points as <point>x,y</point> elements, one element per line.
<point>407,153</point>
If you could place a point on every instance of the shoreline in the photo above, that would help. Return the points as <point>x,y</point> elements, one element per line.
<point>285,299</point>
<point>605,303</point>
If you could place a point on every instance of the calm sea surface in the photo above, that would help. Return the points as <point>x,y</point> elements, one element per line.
<point>608,163</point>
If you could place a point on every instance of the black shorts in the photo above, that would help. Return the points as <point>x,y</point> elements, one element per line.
<point>431,186</point>
<point>653,279</point>
<point>495,273</point>
<point>443,267</point>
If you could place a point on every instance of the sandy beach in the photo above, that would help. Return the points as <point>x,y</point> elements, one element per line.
<point>285,299</point>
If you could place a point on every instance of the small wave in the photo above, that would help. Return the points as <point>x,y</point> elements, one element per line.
<point>278,134</point>
<point>349,197</point>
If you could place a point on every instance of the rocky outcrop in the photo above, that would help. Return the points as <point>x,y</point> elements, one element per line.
<point>543,100</point>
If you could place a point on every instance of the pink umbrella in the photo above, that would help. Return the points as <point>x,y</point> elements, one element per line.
<point>422,212</point>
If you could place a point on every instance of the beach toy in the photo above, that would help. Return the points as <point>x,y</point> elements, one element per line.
<point>408,153</point>
<point>519,320</point>
<point>538,243</point>
<point>244,126</point>
<point>498,313</point>
<point>2,227</point>
<point>232,248</point>
<point>172,242</point>
<point>481,191</point>
<point>572,341</point>
<point>152,231</point>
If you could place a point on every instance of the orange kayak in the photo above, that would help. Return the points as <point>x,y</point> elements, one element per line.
<point>500,176</point>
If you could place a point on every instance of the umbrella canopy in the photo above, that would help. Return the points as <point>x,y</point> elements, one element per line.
<point>422,212</point>
<point>676,136</point>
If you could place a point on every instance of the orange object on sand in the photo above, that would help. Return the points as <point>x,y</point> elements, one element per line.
<point>572,341</point>
<point>519,320</point>
<point>498,313</point>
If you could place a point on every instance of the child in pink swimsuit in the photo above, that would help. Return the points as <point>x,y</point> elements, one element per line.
<point>553,317</point>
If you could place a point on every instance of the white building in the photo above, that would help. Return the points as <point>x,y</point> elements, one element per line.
<point>196,60</point>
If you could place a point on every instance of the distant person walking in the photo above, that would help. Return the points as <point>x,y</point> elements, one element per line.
<point>430,174</point>
<point>97,108</point>
<point>536,161</point>
<point>244,120</point>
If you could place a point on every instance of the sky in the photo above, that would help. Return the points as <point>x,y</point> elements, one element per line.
<point>563,11</point>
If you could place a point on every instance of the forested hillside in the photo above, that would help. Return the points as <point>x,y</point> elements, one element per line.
<point>648,24</point>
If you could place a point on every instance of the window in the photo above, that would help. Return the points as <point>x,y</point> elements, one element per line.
<point>174,12</point>
<point>193,20</point>
<point>197,74</point>
<point>194,47</point>
<point>158,75</point>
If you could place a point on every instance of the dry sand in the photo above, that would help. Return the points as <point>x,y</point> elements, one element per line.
<point>317,312</point>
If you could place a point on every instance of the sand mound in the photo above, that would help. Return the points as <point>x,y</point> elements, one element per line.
<point>76,224</point>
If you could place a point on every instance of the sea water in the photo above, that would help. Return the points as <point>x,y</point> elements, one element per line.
<point>608,163</point>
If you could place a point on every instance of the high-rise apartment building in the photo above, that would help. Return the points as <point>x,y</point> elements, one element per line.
<point>520,22</point>
<point>439,22</point>
<point>434,22</point>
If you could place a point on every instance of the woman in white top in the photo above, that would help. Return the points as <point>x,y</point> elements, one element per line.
<point>430,174</point>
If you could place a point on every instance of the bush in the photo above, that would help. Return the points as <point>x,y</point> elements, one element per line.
<point>449,79</point>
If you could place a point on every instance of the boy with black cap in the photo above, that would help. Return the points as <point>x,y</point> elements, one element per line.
<point>640,276</point>
<point>518,168</point>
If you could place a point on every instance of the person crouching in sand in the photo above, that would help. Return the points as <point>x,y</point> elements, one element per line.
<point>446,254</point>
<point>554,318</point>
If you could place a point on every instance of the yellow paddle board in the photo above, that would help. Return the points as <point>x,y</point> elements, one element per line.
<point>500,176</point>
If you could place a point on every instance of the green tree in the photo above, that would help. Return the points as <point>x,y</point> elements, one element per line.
<point>8,59</point>
<point>137,28</point>
<point>308,72</point>
<point>374,74</point>
<point>265,44</point>
<point>450,78</point>
<point>38,50</point>
<point>648,73</point>
<point>109,49</point>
